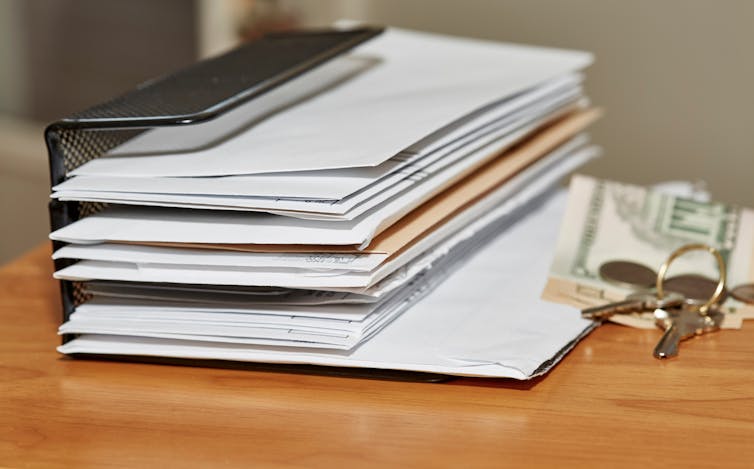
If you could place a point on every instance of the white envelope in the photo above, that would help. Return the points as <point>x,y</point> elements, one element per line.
<point>264,325</point>
<point>183,226</point>
<point>485,320</point>
<point>312,262</point>
<point>474,147</point>
<point>335,184</point>
<point>221,294</point>
<point>519,190</point>
<point>396,98</point>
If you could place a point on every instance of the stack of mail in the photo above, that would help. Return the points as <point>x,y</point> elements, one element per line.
<point>299,227</point>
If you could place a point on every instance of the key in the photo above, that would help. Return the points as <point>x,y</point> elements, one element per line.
<point>638,302</point>
<point>682,323</point>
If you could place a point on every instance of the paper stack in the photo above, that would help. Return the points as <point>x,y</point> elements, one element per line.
<point>388,209</point>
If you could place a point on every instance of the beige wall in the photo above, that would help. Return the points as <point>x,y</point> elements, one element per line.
<point>676,77</point>
<point>60,56</point>
<point>24,187</point>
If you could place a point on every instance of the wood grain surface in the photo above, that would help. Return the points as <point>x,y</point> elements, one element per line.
<point>608,404</point>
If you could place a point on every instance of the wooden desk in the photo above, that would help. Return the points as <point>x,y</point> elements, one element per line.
<point>609,403</point>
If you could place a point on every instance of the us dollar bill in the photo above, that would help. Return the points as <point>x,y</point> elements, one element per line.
<point>606,221</point>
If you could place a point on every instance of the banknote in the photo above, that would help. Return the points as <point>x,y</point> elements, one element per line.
<point>606,221</point>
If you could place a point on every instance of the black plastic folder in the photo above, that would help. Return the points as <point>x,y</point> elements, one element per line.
<point>199,93</point>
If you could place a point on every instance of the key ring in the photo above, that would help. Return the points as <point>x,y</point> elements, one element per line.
<point>703,309</point>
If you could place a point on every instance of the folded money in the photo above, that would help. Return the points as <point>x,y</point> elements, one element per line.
<point>612,225</point>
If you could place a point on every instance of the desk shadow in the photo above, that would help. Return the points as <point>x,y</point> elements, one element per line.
<point>334,372</point>
<point>507,383</point>
<point>314,370</point>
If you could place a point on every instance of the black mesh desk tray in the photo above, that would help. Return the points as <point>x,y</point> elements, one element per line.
<point>202,92</point>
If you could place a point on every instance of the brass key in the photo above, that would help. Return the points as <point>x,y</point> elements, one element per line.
<point>638,302</point>
<point>682,323</point>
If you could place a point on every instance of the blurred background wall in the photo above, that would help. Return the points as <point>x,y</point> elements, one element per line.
<point>675,76</point>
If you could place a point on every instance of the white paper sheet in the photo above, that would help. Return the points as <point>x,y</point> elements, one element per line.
<point>328,184</point>
<point>222,294</point>
<point>499,205</point>
<point>472,150</point>
<point>176,225</point>
<point>485,320</point>
<point>260,325</point>
<point>464,240</point>
<point>249,330</point>
<point>328,131</point>
<point>499,136</point>
<point>323,261</point>
<point>333,317</point>
<point>374,195</point>
<point>538,178</point>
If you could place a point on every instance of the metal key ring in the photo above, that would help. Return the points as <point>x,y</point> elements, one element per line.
<point>703,309</point>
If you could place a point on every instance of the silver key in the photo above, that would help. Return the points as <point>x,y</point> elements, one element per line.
<point>638,302</point>
<point>682,323</point>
